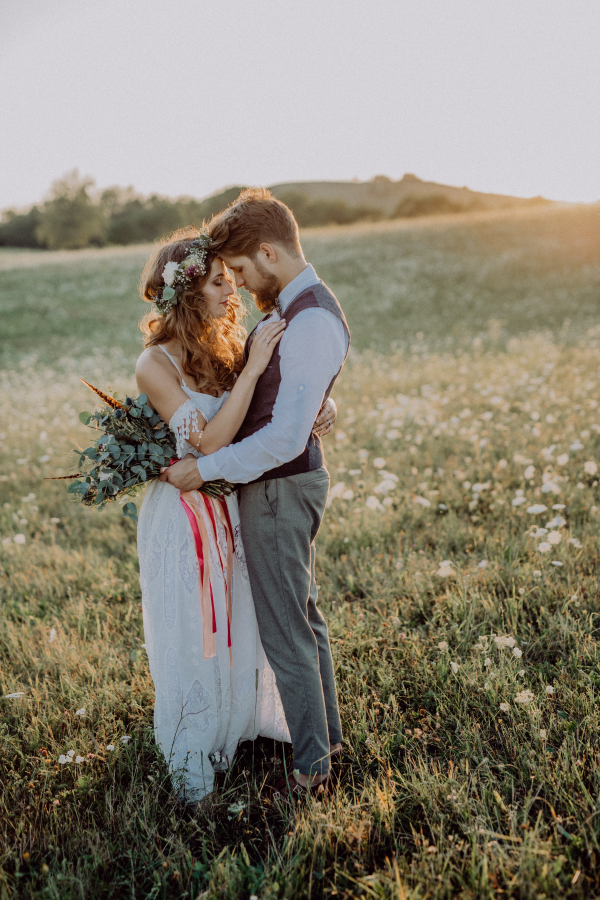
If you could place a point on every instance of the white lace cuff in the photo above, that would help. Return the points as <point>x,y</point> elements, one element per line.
<point>184,420</point>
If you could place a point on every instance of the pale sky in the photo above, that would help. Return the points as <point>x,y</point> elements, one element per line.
<point>188,96</point>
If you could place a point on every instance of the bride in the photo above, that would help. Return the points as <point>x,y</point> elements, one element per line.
<point>213,684</point>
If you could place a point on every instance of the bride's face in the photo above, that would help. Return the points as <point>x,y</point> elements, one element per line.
<point>218,289</point>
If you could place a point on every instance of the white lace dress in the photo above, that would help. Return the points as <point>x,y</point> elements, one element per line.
<point>209,696</point>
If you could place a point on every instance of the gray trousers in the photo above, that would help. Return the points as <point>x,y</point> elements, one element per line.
<point>280,519</point>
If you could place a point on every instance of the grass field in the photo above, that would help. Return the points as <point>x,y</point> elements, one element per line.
<point>458,571</point>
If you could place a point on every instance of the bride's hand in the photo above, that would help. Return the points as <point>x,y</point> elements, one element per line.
<point>263,346</point>
<point>326,419</point>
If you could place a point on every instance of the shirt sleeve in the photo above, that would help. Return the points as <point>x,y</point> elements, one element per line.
<point>312,352</point>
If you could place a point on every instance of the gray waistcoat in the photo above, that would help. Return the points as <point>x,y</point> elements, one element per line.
<point>260,411</point>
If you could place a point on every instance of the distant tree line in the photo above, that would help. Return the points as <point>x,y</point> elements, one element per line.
<point>76,215</point>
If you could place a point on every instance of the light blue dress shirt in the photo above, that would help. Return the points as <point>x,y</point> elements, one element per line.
<point>312,351</point>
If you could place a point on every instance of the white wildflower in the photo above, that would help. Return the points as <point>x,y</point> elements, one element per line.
<point>336,491</point>
<point>384,486</point>
<point>388,501</point>
<point>487,661</point>
<point>519,500</point>
<point>558,506</point>
<point>445,569</point>
<point>55,520</point>
<point>524,697</point>
<point>590,467</point>
<point>544,547</point>
<point>556,522</point>
<point>554,537</point>
<point>550,487</point>
<point>537,573</point>
<point>423,501</point>
<point>576,445</point>
<point>563,459</point>
<point>543,734</point>
<point>168,273</point>
<point>14,696</point>
<point>529,472</point>
<point>372,503</point>
<point>443,645</point>
<point>19,539</point>
<point>236,808</point>
<point>506,640</point>
<point>504,707</point>
<point>125,739</point>
<point>517,652</point>
<point>80,712</point>
<point>549,689</point>
<point>64,759</point>
<point>363,455</point>
<point>70,753</point>
<point>483,564</point>
<point>79,759</point>
<point>575,542</point>
<point>379,462</point>
<point>536,509</point>
<point>110,747</point>
<point>52,635</point>
<point>555,562</point>
<point>455,667</point>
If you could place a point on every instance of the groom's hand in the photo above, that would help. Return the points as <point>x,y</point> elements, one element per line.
<point>183,475</point>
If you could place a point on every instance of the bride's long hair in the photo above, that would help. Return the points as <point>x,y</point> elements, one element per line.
<point>213,348</point>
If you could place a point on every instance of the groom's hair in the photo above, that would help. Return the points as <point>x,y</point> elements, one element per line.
<point>255,218</point>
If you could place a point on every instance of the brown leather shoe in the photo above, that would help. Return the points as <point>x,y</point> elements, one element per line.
<point>290,790</point>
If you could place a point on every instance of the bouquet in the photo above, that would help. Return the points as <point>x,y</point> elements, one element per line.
<point>134,445</point>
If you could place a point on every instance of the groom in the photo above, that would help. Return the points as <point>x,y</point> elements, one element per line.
<point>278,463</point>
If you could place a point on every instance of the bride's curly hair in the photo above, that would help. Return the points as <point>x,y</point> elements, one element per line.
<point>213,348</point>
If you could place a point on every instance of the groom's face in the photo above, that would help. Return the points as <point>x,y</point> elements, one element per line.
<point>252,274</point>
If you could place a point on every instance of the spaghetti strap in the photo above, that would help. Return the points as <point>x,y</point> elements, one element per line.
<point>172,360</point>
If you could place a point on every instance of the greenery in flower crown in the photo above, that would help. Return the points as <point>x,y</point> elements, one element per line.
<point>178,276</point>
<point>134,445</point>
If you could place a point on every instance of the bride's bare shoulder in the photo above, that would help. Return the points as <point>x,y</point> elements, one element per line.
<point>152,363</point>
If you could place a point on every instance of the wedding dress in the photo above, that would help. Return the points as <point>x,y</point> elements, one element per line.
<point>213,684</point>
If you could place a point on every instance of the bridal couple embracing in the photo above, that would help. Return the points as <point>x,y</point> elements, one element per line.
<point>236,643</point>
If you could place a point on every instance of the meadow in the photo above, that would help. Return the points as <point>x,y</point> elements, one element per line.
<point>457,565</point>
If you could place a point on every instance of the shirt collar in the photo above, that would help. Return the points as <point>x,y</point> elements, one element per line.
<point>305,279</point>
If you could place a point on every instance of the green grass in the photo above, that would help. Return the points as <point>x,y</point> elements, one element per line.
<point>450,787</point>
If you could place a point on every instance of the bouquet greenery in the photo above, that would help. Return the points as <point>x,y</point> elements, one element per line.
<point>134,445</point>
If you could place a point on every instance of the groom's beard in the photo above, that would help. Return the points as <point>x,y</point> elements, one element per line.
<point>266,295</point>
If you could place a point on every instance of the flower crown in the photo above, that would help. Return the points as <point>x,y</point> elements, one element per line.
<point>178,276</point>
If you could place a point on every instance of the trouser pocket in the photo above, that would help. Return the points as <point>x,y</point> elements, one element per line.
<point>271,495</point>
